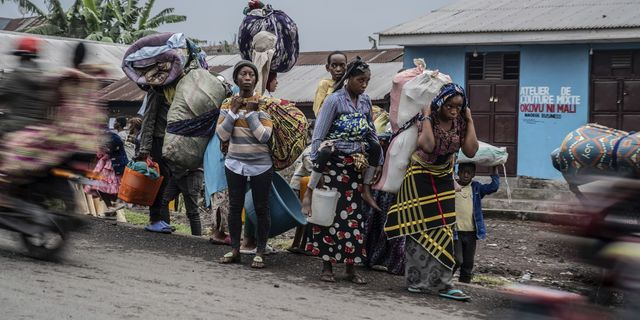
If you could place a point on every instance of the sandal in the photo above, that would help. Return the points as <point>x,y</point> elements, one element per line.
<point>328,277</point>
<point>230,257</point>
<point>258,262</point>
<point>455,294</point>
<point>356,278</point>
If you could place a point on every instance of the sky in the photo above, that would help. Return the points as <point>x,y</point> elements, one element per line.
<point>323,25</point>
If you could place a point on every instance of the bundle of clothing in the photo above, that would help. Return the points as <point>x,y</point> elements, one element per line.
<point>290,127</point>
<point>263,18</point>
<point>191,120</point>
<point>160,59</point>
<point>594,149</point>
<point>410,89</point>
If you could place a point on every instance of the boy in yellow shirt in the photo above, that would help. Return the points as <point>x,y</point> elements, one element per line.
<point>336,66</point>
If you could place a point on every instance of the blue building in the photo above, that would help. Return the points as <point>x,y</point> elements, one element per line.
<point>534,70</point>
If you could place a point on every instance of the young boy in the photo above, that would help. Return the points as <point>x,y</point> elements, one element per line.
<point>469,219</point>
<point>336,66</point>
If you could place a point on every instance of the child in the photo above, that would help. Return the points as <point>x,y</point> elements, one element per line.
<point>336,66</point>
<point>469,219</point>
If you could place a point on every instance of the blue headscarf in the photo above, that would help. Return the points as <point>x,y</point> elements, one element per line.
<point>448,91</point>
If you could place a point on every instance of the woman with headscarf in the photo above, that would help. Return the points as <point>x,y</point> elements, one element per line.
<point>345,124</point>
<point>247,130</point>
<point>424,211</point>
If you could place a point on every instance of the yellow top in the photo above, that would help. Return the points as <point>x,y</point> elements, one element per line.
<point>464,209</point>
<point>325,88</point>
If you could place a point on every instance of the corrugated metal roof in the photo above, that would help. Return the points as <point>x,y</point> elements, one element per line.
<point>122,90</point>
<point>477,16</point>
<point>298,85</point>
<point>370,56</point>
<point>56,53</point>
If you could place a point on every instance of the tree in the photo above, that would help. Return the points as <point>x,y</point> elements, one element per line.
<point>122,21</point>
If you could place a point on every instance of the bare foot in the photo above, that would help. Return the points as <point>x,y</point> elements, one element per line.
<point>368,198</point>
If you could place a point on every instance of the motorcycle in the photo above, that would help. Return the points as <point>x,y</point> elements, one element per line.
<point>43,211</point>
<point>610,240</point>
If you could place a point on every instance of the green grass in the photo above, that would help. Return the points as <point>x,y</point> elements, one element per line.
<point>141,219</point>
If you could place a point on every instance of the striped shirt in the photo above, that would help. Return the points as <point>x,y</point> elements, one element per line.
<point>248,136</point>
<point>334,105</point>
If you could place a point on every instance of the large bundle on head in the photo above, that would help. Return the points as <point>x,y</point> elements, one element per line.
<point>191,119</point>
<point>412,90</point>
<point>597,150</point>
<point>160,59</point>
<point>264,18</point>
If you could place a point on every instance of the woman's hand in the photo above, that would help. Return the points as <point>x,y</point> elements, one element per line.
<point>376,175</point>
<point>467,115</point>
<point>236,104</point>
<point>251,106</point>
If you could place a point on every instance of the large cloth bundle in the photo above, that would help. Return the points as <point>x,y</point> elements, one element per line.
<point>597,150</point>
<point>486,156</point>
<point>289,137</point>
<point>199,95</point>
<point>160,59</point>
<point>265,18</point>
<point>412,89</point>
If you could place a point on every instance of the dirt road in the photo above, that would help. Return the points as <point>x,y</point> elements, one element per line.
<point>122,272</point>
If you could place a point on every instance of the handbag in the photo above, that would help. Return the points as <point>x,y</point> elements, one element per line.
<point>323,207</point>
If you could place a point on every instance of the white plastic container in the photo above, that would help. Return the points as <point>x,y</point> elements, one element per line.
<point>323,207</point>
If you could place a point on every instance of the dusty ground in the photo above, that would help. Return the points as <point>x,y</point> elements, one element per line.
<point>122,272</point>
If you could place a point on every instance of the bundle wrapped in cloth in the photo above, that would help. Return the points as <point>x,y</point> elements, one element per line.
<point>594,149</point>
<point>191,119</point>
<point>412,89</point>
<point>289,135</point>
<point>161,58</point>
<point>486,156</point>
<point>260,17</point>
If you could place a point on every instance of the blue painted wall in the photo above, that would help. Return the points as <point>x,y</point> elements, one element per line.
<point>552,67</point>
<point>449,60</point>
<point>541,66</point>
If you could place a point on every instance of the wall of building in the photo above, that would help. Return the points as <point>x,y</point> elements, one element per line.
<point>554,100</point>
<point>554,93</point>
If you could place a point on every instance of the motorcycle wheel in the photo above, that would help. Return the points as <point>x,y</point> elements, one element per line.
<point>44,246</point>
<point>54,193</point>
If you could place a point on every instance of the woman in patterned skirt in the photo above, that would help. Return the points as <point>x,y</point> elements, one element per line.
<point>345,123</point>
<point>424,211</point>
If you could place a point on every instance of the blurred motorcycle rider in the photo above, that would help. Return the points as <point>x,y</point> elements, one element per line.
<point>24,93</point>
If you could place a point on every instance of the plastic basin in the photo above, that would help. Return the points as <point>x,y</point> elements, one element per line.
<point>284,204</point>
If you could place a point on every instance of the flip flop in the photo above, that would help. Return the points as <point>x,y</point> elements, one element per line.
<point>455,294</point>
<point>158,228</point>
<point>229,258</point>
<point>356,278</point>
<point>258,262</point>
<point>328,277</point>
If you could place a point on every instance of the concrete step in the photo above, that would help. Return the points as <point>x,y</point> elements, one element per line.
<point>557,218</point>
<point>528,205</point>
<point>534,183</point>
<point>533,194</point>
